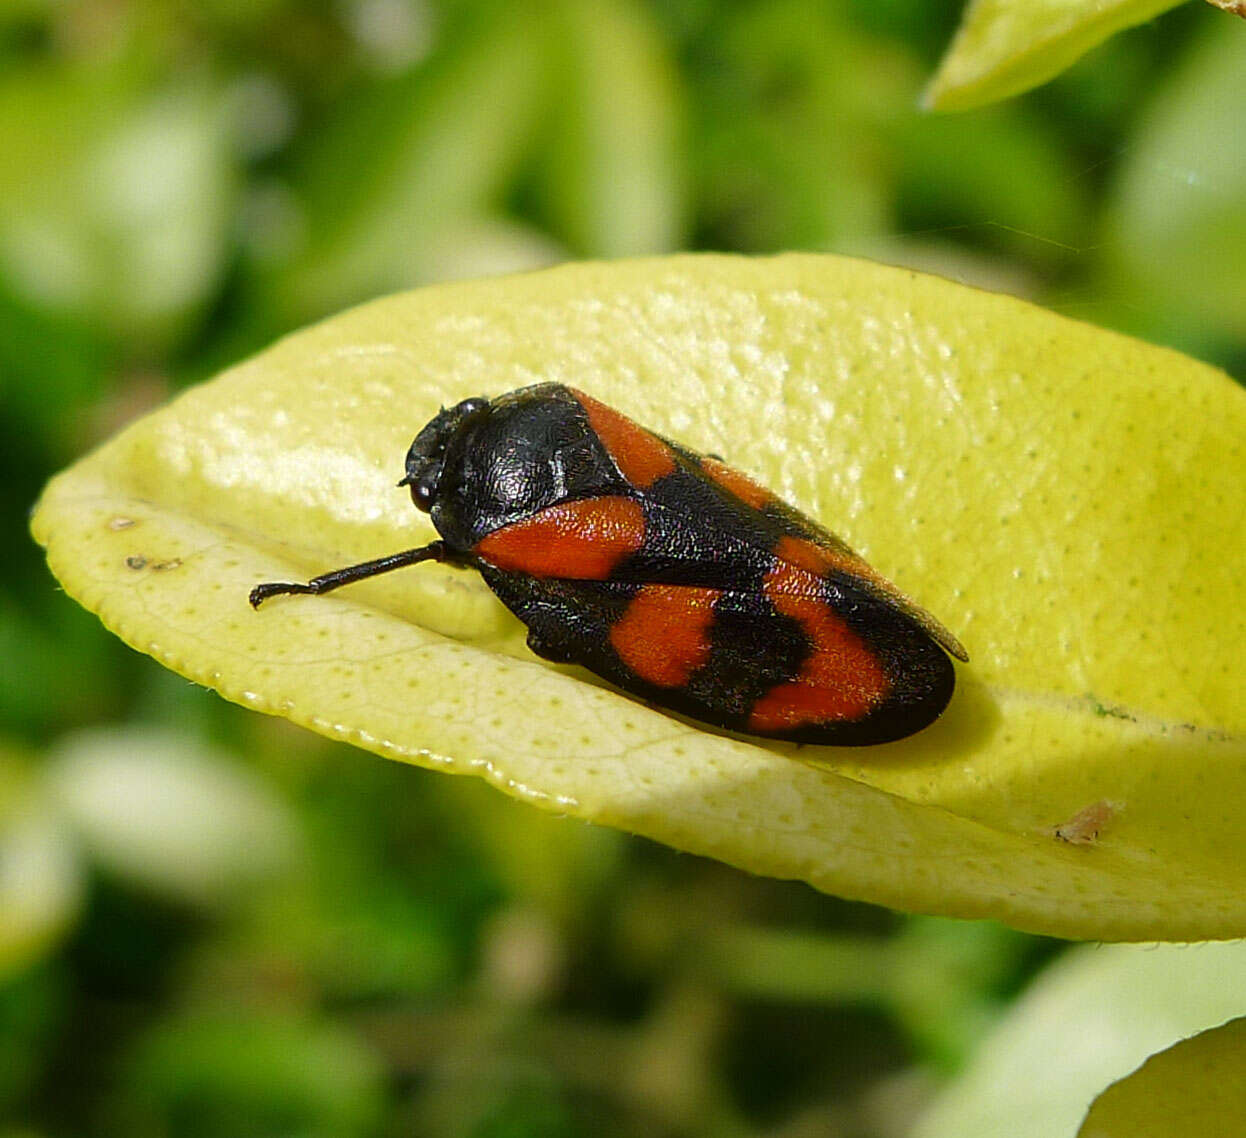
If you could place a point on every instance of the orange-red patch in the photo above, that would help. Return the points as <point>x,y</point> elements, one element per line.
<point>840,680</point>
<point>642,458</point>
<point>664,634</point>
<point>741,485</point>
<point>818,559</point>
<point>582,540</point>
<point>803,554</point>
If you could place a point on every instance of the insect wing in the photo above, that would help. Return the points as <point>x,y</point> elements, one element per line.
<point>706,518</point>
<point>708,653</point>
<point>777,662</point>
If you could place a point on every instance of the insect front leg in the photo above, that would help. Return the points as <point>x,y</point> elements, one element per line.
<point>327,582</point>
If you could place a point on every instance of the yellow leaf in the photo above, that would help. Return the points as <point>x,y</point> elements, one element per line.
<point>1195,1089</point>
<point>1066,500</point>
<point>1004,47</point>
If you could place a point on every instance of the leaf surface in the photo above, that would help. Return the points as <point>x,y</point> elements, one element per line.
<point>1066,500</point>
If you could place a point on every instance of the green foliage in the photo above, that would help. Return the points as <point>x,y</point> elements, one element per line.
<point>183,183</point>
<point>233,1073</point>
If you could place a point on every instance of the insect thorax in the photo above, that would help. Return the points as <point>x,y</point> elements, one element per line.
<point>529,450</point>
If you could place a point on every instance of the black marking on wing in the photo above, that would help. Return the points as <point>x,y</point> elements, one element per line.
<point>753,648</point>
<point>697,534</point>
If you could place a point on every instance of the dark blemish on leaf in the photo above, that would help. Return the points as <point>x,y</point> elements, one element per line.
<point>1109,711</point>
<point>136,561</point>
<point>172,563</point>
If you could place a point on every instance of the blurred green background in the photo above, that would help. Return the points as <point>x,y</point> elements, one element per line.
<point>213,924</point>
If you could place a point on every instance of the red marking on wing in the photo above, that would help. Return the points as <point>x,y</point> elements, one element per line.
<point>664,634</point>
<point>841,679</point>
<point>818,559</point>
<point>740,485</point>
<point>582,540</point>
<point>642,458</point>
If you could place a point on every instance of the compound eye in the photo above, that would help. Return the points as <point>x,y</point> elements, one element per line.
<point>425,489</point>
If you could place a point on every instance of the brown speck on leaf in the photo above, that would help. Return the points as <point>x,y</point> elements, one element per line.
<point>136,561</point>
<point>172,563</point>
<point>1085,827</point>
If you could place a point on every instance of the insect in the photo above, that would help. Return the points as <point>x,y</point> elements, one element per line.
<point>1086,826</point>
<point>668,573</point>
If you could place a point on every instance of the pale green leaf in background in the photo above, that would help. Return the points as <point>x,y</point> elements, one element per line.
<point>170,815</point>
<point>115,200</point>
<point>1004,47</point>
<point>41,878</point>
<point>1091,1018</point>
<point>1176,230</point>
